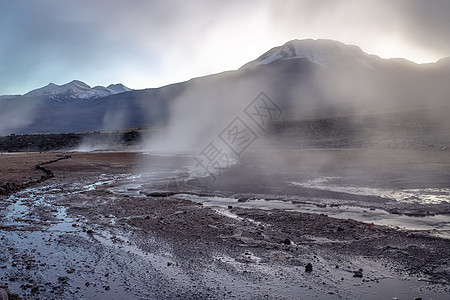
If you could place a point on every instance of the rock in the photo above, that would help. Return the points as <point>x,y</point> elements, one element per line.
<point>358,273</point>
<point>159,194</point>
<point>287,241</point>
<point>308,267</point>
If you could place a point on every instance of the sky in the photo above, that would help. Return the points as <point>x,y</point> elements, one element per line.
<point>145,44</point>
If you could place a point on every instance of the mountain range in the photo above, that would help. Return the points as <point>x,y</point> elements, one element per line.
<point>77,90</point>
<point>307,78</point>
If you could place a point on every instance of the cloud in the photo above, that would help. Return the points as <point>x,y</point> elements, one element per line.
<point>416,30</point>
<point>428,23</point>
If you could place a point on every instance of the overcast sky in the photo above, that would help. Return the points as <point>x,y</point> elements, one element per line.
<point>152,43</point>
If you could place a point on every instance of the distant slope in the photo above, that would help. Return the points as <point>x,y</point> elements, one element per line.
<point>124,110</point>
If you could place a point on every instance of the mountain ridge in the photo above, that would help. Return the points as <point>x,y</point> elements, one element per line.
<point>324,52</point>
<point>77,90</point>
<point>302,83</point>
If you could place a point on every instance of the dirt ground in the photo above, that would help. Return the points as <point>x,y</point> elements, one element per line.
<point>80,234</point>
<point>20,167</point>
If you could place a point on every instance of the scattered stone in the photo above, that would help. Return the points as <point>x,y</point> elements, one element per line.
<point>13,296</point>
<point>26,286</point>
<point>308,267</point>
<point>63,279</point>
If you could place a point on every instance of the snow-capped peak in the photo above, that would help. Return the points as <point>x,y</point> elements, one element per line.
<point>118,88</point>
<point>77,90</point>
<point>322,52</point>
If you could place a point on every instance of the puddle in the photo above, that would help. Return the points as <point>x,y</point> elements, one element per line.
<point>46,246</point>
<point>164,263</point>
<point>438,223</point>
<point>420,196</point>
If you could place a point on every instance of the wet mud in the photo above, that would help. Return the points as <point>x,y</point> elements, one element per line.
<point>101,229</point>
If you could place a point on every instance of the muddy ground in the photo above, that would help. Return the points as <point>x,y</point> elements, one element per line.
<point>82,235</point>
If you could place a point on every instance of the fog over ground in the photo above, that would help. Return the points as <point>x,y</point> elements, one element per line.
<point>106,42</point>
<point>360,89</point>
